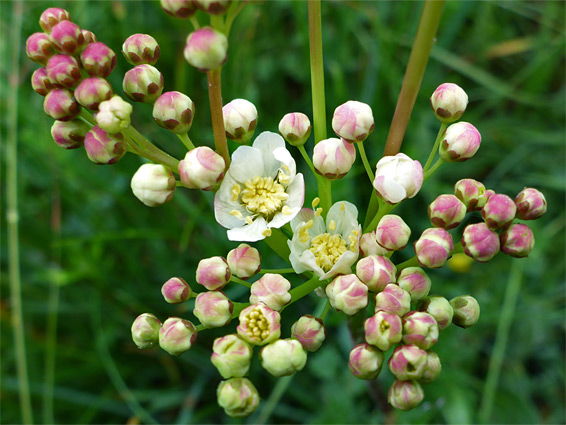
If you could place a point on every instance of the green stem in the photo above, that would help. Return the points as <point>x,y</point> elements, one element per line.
<point>240,281</point>
<point>149,150</point>
<point>435,147</point>
<point>432,169</point>
<point>305,289</point>
<point>324,312</point>
<point>195,23</point>
<point>277,271</point>
<point>365,161</point>
<point>215,97</point>
<point>307,159</point>
<point>414,262</point>
<point>278,391</point>
<point>186,141</point>
<point>384,208</point>
<point>278,243</point>
<point>426,32</point>
<point>372,208</point>
<point>231,15</point>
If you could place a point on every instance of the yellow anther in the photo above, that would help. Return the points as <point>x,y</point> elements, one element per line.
<point>249,220</point>
<point>266,233</point>
<point>263,196</point>
<point>286,210</point>
<point>235,192</point>
<point>327,249</point>
<point>315,202</point>
<point>257,325</point>
<point>318,212</point>
<point>342,206</point>
<point>236,213</point>
<point>332,226</point>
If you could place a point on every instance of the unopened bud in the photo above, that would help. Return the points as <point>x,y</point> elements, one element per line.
<point>238,397</point>
<point>153,184</point>
<point>353,121</point>
<point>63,71</point>
<point>392,232</point>
<point>176,290</point>
<point>231,355</point>
<point>408,362</point>
<point>499,211</point>
<point>432,369</point>
<point>213,7</point>
<point>470,192</point>
<point>309,331</point>
<point>51,17</point>
<point>466,311</point>
<point>439,308</point>
<point>179,8</point>
<point>202,168</point>
<point>177,335</point>
<point>348,294</point>
<point>69,134</point>
<point>240,119</point>
<point>39,48</point>
<point>434,247</point>
<point>104,148</point>
<point>295,128</point>
<point>461,142</point>
<point>143,83</point>
<point>244,261</point>
<point>415,281</point>
<point>67,36</point>
<point>405,395</point>
<point>446,211</point>
<point>98,59</point>
<point>531,204</point>
<point>369,245</point>
<point>480,243</point>
<point>145,330</point>
<point>383,330</point>
<point>259,325</point>
<point>92,91</point>
<point>213,309</point>
<point>114,115</point>
<point>449,102</point>
<point>213,273</point>
<point>420,329</point>
<point>397,178</point>
<point>271,290</point>
<point>206,49</point>
<point>283,357</point>
<point>60,104</point>
<point>333,158</point>
<point>365,361</point>
<point>517,241</point>
<point>88,36</point>
<point>40,82</point>
<point>376,272</point>
<point>141,49</point>
<point>393,300</point>
<point>174,111</point>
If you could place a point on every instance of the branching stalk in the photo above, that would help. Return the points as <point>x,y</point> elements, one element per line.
<point>215,97</point>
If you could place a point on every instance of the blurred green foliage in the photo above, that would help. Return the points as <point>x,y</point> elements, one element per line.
<point>112,254</point>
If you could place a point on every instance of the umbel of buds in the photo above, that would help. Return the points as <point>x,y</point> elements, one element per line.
<point>145,330</point>
<point>143,83</point>
<point>153,184</point>
<point>397,178</point>
<point>69,134</point>
<point>309,331</point>
<point>141,48</point>
<point>206,49</point>
<point>240,120</point>
<point>353,121</point>
<point>174,111</point>
<point>202,168</point>
<point>177,335</point>
<point>365,361</point>
<point>461,142</point>
<point>283,357</point>
<point>333,158</point>
<point>295,128</point>
<point>238,397</point>
<point>176,290</point>
<point>449,102</point>
<point>103,148</point>
<point>231,355</point>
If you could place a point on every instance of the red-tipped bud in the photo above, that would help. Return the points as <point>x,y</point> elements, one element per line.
<point>60,104</point>
<point>439,308</point>
<point>244,261</point>
<point>446,211</point>
<point>376,272</point>
<point>213,273</point>
<point>471,193</point>
<point>499,211</point>
<point>348,294</point>
<point>98,59</point>
<point>89,37</point>
<point>238,397</point>
<point>174,111</point>
<point>295,128</point>
<point>480,243</point>
<point>271,290</point>
<point>420,329</point>
<point>40,48</point>
<point>202,168</point>
<point>283,357</point>
<point>92,91</point>
<point>408,362</point>
<point>461,142</point>
<point>531,204</point>
<point>353,121</point>
<point>143,83</point>
<point>63,71</point>
<point>383,330</point>
<point>67,36</point>
<point>179,8</point>
<point>141,49</point>
<point>213,7</point>
<point>145,330</point>
<point>69,134</point>
<point>434,247</point>
<point>51,17</point>
<point>517,241</point>
<point>365,361</point>
<point>405,395</point>
<point>40,82</point>
<point>177,335</point>
<point>449,102</point>
<point>415,281</point>
<point>392,232</point>
<point>466,311</point>
<point>153,184</point>
<point>309,331</point>
<point>213,309</point>
<point>393,300</point>
<point>231,355</point>
<point>206,49</point>
<point>259,325</point>
<point>176,290</point>
<point>240,120</point>
<point>333,158</point>
<point>103,148</point>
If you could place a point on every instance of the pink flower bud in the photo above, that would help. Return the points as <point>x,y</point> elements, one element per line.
<point>88,36</point>
<point>213,7</point>
<point>213,309</point>
<point>461,142</point>
<point>143,83</point>
<point>408,362</point>
<point>174,111</point>
<point>40,48</point>
<point>480,243</point>
<point>393,300</point>
<point>348,294</point>
<point>51,17</point>
<point>309,331</point>
<point>449,102</point>
<point>439,308</point>
<point>63,71</point>
<point>145,330</point>
<point>415,281</point>
<point>179,8</point>
<point>141,49</point>
<point>271,290</point>
<point>333,158</point>
<point>397,178</point>
<point>353,121</point>
<point>259,325</point>
<point>517,241</point>
<point>231,355</point>
<point>176,290</point>
<point>499,211</point>
<point>103,148</point>
<point>244,261</point>
<point>432,369</point>
<point>177,335</point>
<point>240,119</point>
<point>114,115</point>
<point>206,49</point>
<point>470,192</point>
<point>67,36</point>
<point>369,245</point>
<point>434,247</point>
<point>69,134</point>
<point>92,91</point>
<point>420,329</point>
<point>202,168</point>
<point>213,273</point>
<point>365,361</point>
<point>405,395</point>
<point>376,272</point>
<point>392,232</point>
<point>446,211</point>
<point>238,397</point>
<point>153,184</point>
<point>283,357</point>
<point>531,204</point>
<point>40,82</point>
<point>383,330</point>
<point>98,60</point>
<point>60,104</point>
<point>295,128</point>
<point>466,311</point>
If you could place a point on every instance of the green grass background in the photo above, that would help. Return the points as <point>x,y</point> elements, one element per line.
<point>94,257</point>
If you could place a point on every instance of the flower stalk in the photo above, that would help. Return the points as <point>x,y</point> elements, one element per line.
<point>215,97</point>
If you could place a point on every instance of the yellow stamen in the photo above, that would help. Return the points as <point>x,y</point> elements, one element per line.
<point>266,233</point>
<point>263,196</point>
<point>286,210</point>
<point>256,325</point>
<point>236,213</point>
<point>332,226</point>
<point>249,220</point>
<point>318,212</point>
<point>235,192</point>
<point>327,249</point>
<point>315,202</point>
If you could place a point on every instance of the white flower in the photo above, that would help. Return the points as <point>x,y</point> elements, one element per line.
<point>397,178</point>
<point>261,190</point>
<point>329,249</point>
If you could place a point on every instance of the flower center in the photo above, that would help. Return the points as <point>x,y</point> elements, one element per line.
<point>327,249</point>
<point>263,195</point>
<point>256,325</point>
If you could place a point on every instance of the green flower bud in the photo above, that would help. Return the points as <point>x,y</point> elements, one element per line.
<point>238,397</point>
<point>231,355</point>
<point>177,335</point>
<point>283,357</point>
<point>405,395</point>
<point>145,330</point>
<point>466,311</point>
<point>206,49</point>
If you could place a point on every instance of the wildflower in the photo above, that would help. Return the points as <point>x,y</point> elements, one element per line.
<point>397,178</point>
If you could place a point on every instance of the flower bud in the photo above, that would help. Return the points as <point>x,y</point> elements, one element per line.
<point>143,83</point>
<point>376,272</point>
<point>461,142</point>
<point>271,290</point>
<point>153,184</point>
<point>383,330</point>
<point>392,232</point>
<point>145,330</point>
<point>244,261</point>
<point>92,91</point>
<point>309,331</point>
<point>63,71</point>
<point>213,273</point>
<point>348,294</point>
<point>206,49</point>
<point>103,148</point>
<point>213,309</point>
<point>449,102</point>
<point>408,362</point>
<point>179,8</point>
<point>405,395</point>
<point>365,361</point>
<point>480,243</point>
<point>434,247</point>
<point>432,369</point>
<point>259,325</point>
<point>531,204</point>
<point>283,357</point>
<point>369,245</point>
<point>98,59</point>
<point>202,168</point>
<point>295,128</point>
<point>231,355</point>
<point>499,212</point>
<point>67,37</point>
<point>439,308</point>
<point>60,104</point>
<point>517,241</point>
<point>114,115</point>
<point>69,134</point>
<point>40,48</point>
<point>213,7</point>
<point>470,192</point>
<point>393,300</point>
<point>176,290</point>
<point>240,119</point>
<point>40,82</point>
<point>353,121</point>
<point>238,397</point>
<point>466,311</point>
<point>51,17</point>
<point>177,335</point>
<point>446,211</point>
<point>88,36</point>
<point>174,111</point>
<point>333,158</point>
<point>141,49</point>
<point>415,281</point>
<point>420,329</point>
<point>397,178</point>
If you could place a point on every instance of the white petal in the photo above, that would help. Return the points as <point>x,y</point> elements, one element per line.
<point>308,260</point>
<point>250,232</point>
<point>346,220</point>
<point>267,142</point>
<point>392,191</point>
<point>343,265</point>
<point>247,163</point>
<point>283,155</point>
<point>223,205</point>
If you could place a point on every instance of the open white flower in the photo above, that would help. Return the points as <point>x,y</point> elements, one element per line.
<point>326,249</point>
<point>261,190</point>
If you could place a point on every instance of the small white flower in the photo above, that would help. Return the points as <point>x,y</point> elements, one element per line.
<point>397,178</point>
<point>326,249</point>
<point>261,190</point>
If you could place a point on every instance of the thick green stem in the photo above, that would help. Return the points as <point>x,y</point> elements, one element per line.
<point>278,391</point>
<point>215,97</point>
<point>365,161</point>
<point>384,208</point>
<point>240,281</point>
<point>305,289</point>
<point>372,208</point>
<point>435,146</point>
<point>432,169</point>
<point>414,262</point>
<point>277,271</point>
<point>426,32</point>
<point>186,141</point>
<point>149,150</point>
